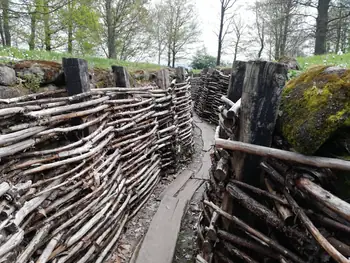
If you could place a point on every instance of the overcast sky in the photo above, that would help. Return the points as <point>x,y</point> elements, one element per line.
<point>209,20</point>
<point>208,15</point>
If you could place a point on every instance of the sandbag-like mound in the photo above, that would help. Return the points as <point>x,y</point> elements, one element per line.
<point>314,106</point>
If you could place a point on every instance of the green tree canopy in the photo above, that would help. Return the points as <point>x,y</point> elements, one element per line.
<point>203,60</point>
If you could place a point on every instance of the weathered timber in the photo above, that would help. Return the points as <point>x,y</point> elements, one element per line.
<point>163,79</point>
<point>273,244</point>
<point>76,75</point>
<point>261,96</point>
<point>321,162</point>
<point>121,77</point>
<point>235,88</point>
<point>335,254</point>
<point>325,197</point>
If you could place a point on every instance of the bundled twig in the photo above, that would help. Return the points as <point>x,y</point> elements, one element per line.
<point>75,169</point>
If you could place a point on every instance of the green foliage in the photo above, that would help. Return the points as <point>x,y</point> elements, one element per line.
<point>329,59</point>
<point>203,60</point>
<point>93,61</point>
<point>293,73</point>
<point>32,82</point>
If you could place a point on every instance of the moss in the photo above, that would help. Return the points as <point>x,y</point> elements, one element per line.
<point>314,106</point>
<point>32,82</point>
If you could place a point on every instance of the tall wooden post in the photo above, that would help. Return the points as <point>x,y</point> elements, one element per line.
<point>163,79</point>
<point>121,79</point>
<point>77,81</point>
<point>180,74</point>
<point>261,96</point>
<point>234,92</point>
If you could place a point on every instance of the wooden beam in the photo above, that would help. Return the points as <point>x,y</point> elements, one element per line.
<point>321,162</point>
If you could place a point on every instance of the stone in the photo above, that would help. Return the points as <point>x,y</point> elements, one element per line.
<point>11,92</point>
<point>314,106</point>
<point>291,63</point>
<point>7,76</point>
<point>46,71</point>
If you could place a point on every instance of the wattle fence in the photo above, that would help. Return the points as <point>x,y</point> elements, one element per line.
<point>207,92</point>
<point>74,169</point>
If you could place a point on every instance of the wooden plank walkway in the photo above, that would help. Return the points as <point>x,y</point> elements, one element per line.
<point>159,243</point>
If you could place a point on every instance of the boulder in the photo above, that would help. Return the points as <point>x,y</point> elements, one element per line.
<point>46,71</point>
<point>291,63</point>
<point>7,76</point>
<point>314,106</point>
<point>11,92</point>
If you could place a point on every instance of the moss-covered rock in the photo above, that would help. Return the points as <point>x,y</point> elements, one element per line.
<point>314,106</point>
<point>45,71</point>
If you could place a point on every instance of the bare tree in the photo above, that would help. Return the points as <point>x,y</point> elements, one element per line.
<point>323,19</point>
<point>260,27</point>
<point>238,29</point>
<point>181,28</point>
<point>225,23</point>
<point>158,28</point>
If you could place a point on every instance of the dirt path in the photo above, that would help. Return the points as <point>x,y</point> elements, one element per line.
<point>195,172</point>
<point>186,245</point>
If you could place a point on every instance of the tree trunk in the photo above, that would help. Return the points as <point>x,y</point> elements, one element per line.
<point>70,27</point>
<point>110,31</point>
<point>47,30</point>
<point>339,31</point>
<point>321,26</point>
<point>6,22</point>
<point>262,39</point>
<point>173,58</point>
<point>159,52</point>
<point>222,17</point>
<point>236,49</point>
<point>2,33</point>
<point>32,31</point>
<point>169,53</point>
<point>285,28</point>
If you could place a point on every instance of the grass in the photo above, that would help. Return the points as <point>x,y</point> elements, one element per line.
<point>328,59</point>
<point>99,62</point>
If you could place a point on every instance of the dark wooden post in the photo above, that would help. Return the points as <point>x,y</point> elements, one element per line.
<point>163,79</point>
<point>121,77</point>
<point>235,87</point>
<point>261,96</point>
<point>77,81</point>
<point>76,75</point>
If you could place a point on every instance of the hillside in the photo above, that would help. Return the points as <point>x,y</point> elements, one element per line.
<point>329,59</point>
<point>7,54</point>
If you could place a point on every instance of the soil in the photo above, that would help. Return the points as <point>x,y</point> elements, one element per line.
<point>137,227</point>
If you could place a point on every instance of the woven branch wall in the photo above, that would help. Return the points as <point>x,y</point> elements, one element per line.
<point>75,169</point>
<point>207,92</point>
